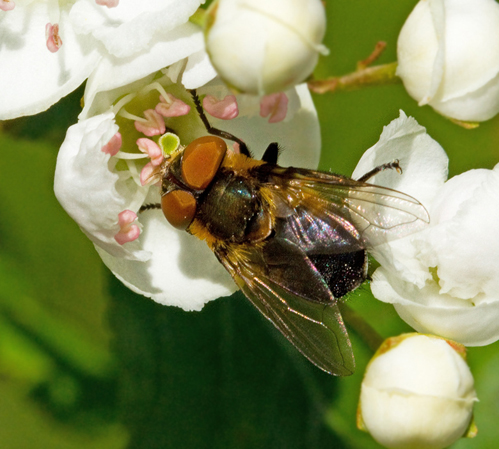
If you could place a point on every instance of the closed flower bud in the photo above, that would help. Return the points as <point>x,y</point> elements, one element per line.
<point>265,46</point>
<point>448,56</point>
<point>417,393</point>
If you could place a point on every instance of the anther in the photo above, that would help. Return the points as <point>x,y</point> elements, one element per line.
<point>225,109</point>
<point>54,41</point>
<point>275,106</point>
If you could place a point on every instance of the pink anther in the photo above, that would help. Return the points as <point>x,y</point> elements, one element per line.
<point>172,106</point>
<point>54,41</point>
<point>225,109</point>
<point>128,231</point>
<point>153,125</point>
<point>7,5</point>
<point>108,3</point>
<point>113,146</point>
<point>152,149</point>
<point>236,148</point>
<point>275,105</point>
<point>148,173</point>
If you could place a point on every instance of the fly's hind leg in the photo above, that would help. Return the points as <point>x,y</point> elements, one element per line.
<point>389,166</point>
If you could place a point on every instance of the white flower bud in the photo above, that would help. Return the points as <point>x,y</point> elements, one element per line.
<point>448,56</point>
<point>265,46</point>
<point>417,393</point>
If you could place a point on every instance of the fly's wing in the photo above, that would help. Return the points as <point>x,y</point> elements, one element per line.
<point>332,214</point>
<point>281,282</point>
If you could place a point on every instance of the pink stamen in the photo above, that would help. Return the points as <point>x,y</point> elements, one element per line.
<point>128,231</point>
<point>236,148</point>
<point>172,106</point>
<point>225,109</point>
<point>54,41</point>
<point>7,5</point>
<point>113,146</point>
<point>152,149</point>
<point>148,173</point>
<point>154,124</point>
<point>275,105</point>
<point>108,3</point>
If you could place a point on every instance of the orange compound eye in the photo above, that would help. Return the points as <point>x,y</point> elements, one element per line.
<point>179,208</point>
<point>201,160</point>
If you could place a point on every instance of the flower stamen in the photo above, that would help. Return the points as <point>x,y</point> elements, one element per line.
<point>108,3</point>
<point>225,109</point>
<point>128,231</point>
<point>275,105</point>
<point>152,125</point>
<point>152,149</point>
<point>113,146</point>
<point>54,41</point>
<point>170,106</point>
<point>7,5</point>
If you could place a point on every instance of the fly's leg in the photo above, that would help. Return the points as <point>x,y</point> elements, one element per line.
<point>215,131</point>
<point>271,153</point>
<point>149,206</point>
<point>389,166</point>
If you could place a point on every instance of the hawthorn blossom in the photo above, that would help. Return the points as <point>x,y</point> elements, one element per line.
<point>49,48</point>
<point>443,280</point>
<point>417,392</point>
<point>265,46</point>
<point>104,189</point>
<point>448,57</point>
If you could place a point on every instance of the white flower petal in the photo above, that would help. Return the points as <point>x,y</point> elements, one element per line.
<point>448,57</point>
<point>424,165</point>
<point>32,77</point>
<point>471,50</point>
<point>465,239</point>
<point>417,392</point>
<point>91,193</point>
<point>422,159</point>
<point>478,105</point>
<point>131,27</point>
<point>198,70</point>
<point>113,73</point>
<point>182,270</point>
<point>428,311</point>
<point>263,46</point>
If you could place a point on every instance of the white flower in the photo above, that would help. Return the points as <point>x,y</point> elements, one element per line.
<point>445,279</point>
<point>87,38</point>
<point>417,393</point>
<point>265,46</point>
<point>448,57</point>
<point>103,189</point>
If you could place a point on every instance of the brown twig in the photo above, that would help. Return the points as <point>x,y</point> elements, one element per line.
<point>362,77</point>
<point>378,49</point>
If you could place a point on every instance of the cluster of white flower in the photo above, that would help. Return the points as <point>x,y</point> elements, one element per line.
<point>141,58</point>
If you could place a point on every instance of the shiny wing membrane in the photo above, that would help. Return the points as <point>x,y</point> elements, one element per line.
<point>316,213</point>
<point>282,283</point>
<point>342,210</point>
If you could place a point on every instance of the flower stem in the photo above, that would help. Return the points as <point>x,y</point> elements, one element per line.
<point>361,327</point>
<point>363,77</point>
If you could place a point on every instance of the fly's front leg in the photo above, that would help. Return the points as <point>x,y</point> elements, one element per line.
<point>215,131</point>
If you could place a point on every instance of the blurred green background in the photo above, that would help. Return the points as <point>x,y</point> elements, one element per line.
<point>84,363</point>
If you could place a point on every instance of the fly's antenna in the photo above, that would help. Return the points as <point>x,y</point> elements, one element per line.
<point>215,131</point>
